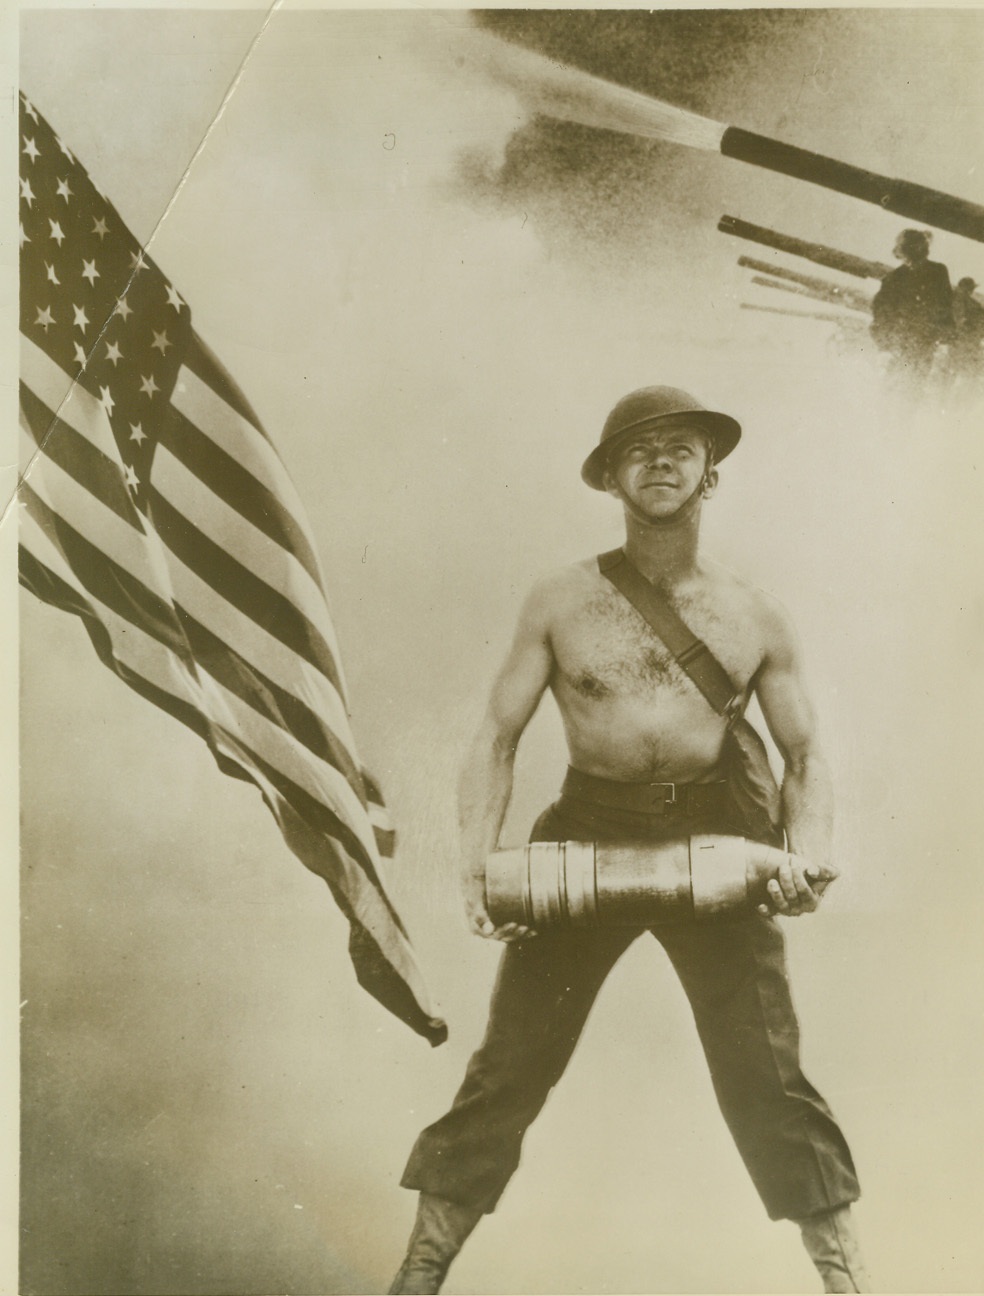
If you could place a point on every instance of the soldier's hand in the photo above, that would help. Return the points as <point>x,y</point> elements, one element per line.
<point>797,887</point>
<point>479,922</point>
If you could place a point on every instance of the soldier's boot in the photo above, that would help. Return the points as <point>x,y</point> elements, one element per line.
<point>832,1244</point>
<point>438,1235</point>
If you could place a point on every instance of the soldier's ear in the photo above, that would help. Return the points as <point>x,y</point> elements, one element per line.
<point>610,484</point>
<point>710,483</point>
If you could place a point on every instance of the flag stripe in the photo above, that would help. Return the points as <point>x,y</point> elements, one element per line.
<point>258,691</point>
<point>205,365</point>
<point>270,609</point>
<point>401,995</point>
<point>76,455</point>
<point>106,580</point>
<point>313,811</point>
<point>300,773</point>
<point>237,486</point>
<point>123,646</point>
<point>41,580</point>
<point>229,528</point>
<point>32,536</point>
<point>73,404</point>
<point>122,551</point>
<point>138,555</point>
<point>328,801</point>
<point>326,794</point>
<point>48,585</point>
<point>113,547</point>
<point>261,650</point>
<point>372,788</point>
<point>373,956</point>
<point>393,980</point>
<point>139,660</point>
<point>233,433</point>
<point>237,436</point>
<point>385,840</point>
<point>329,782</point>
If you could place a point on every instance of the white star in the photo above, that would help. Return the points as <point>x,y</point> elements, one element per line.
<point>67,151</point>
<point>173,299</point>
<point>100,228</point>
<point>89,270</point>
<point>29,108</point>
<point>31,149</point>
<point>45,317</point>
<point>149,386</point>
<point>51,274</point>
<point>26,192</point>
<point>56,232</point>
<point>63,190</point>
<point>106,400</point>
<point>160,341</point>
<point>123,309</point>
<point>113,352</point>
<point>137,262</point>
<point>80,355</point>
<point>23,237</point>
<point>137,433</point>
<point>131,477</point>
<point>81,319</point>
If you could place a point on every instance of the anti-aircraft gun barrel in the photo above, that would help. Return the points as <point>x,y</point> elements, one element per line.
<point>814,294</point>
<point>913,201</point>
<point>826,289</point>
<point>827,316</point>
<point>819,253</point>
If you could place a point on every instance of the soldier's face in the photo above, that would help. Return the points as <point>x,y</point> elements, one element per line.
<point>658,470</point>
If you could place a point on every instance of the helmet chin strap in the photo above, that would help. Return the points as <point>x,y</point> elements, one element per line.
<point>681,514</point>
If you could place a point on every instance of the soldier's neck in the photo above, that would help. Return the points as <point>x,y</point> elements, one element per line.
<point>665,552</point>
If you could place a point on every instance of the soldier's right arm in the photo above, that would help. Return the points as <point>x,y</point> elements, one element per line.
<point>486,778</point>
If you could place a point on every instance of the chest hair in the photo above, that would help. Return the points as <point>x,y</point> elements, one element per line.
<point>610,650</point>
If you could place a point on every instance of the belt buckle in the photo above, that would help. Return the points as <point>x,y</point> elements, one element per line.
<point>665,799</point>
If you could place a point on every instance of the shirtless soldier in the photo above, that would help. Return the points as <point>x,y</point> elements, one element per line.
<point>645,765</point>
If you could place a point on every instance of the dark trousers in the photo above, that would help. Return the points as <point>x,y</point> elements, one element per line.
<point>734,974</point>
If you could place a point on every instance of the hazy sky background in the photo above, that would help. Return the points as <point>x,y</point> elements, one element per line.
<point>432,302</point>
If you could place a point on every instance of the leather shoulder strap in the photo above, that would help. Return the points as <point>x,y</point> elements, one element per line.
<point>690,653</point>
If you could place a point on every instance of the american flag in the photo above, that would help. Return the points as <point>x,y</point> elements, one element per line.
<point>155,507</point>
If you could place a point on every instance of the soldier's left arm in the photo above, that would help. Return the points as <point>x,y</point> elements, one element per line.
<point>807,793</point>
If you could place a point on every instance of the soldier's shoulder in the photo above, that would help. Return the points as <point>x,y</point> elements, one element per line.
<point>561,588</point>
<point>757,602</point>
<point>567,581</point>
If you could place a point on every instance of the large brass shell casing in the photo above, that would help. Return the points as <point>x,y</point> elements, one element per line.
<point>592,884</point>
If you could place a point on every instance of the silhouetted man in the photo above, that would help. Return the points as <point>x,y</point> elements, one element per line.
<point>912,311</point>
<point>966,354</point>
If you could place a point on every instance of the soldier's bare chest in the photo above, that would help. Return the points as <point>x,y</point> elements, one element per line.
<point>605,650</point>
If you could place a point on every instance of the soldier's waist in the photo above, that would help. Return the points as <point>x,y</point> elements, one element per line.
<point>649,797</point>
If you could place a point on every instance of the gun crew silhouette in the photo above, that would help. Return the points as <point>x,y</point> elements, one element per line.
<point>926,328</point>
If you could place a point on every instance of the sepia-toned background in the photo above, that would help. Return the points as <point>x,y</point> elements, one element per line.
<point>432,302</point>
